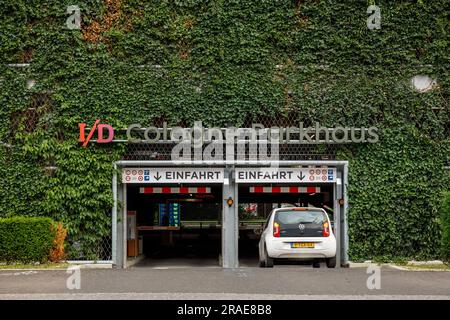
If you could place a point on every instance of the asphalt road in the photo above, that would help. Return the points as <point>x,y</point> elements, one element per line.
<point>281,282</point>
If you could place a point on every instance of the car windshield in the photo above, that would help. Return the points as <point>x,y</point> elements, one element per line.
<point>287,217</point>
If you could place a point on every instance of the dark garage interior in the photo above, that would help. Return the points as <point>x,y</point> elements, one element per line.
<point>180,225</point>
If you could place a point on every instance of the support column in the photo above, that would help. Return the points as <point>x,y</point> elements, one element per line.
<point>345,243</point>
<point>337,221</point>
<point>119,228</point>
<point>230,227</point>
<point>114,218</point>
<point>124,226</point>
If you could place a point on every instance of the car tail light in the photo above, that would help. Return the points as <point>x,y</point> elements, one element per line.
<point>276,229</point>
<point>326,229</point>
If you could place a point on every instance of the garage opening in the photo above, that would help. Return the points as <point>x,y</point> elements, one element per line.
<point>256,201</point>
<point>212,216</point>
<point>174,225</point>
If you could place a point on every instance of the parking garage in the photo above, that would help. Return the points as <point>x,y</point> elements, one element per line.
<point>206,216</point>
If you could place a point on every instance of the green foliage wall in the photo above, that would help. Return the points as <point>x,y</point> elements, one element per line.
<point>224,62</point>
<point>25,239</point>
<point>446,227</point>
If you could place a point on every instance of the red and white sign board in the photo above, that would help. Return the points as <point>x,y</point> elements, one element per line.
<point>175,190</point>
<point>285,175</point>
<point>284,189</point>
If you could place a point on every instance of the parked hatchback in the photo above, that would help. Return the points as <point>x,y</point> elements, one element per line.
<point>297,233</point>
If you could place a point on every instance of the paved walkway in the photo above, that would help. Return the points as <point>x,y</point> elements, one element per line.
<point>281,282</point>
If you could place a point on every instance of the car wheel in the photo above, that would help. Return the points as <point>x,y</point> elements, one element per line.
<point>331,262</point>
<point>316,264</point>
<point>262,264</point>
<point>268,261</point>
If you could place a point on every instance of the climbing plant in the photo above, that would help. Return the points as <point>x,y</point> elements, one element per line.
<point>224,62</point>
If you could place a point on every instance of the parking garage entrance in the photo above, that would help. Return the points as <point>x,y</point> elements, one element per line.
<point>175,224</point>
<point>173,216</point>
<point>256,201</point>
<point>212,216</point>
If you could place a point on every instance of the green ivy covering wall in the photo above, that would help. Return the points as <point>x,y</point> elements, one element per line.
<point>223,62</point>
<point>446,226</point>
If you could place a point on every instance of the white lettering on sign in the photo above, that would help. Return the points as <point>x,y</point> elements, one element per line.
<point>288,175</point>
<point>172,175</point>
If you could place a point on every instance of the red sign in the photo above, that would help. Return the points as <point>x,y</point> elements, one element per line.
<point>100,129</point>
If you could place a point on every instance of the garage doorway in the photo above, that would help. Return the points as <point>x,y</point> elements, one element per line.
<point>231,189</point>
<point>256,201</point>
<point>174,225</point>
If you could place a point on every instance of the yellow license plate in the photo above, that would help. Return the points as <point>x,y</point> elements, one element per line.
<point>302,245</point>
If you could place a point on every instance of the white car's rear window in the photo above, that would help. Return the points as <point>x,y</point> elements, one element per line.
<point>295,217</point>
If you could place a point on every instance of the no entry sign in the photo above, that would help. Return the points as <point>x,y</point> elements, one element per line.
<point>172,175</point>
<point>285,175</point>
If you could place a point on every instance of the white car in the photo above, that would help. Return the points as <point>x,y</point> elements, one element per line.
<point>297,233</point>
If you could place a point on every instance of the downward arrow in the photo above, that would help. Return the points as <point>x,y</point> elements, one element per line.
<point>157,176</point>
<point>301,176</point>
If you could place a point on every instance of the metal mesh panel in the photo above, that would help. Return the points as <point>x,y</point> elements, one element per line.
<point>29,119</point>
<point>100,251</point>
<point>162,151</point>
<point>443,117</point>
<point>287,151</point>
<point>105,252</point>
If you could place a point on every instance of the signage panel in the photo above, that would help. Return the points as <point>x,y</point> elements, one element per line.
<point>285,175</point>
<point>172,175</point>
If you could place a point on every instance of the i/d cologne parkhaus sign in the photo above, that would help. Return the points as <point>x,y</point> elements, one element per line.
<point>228,144</point>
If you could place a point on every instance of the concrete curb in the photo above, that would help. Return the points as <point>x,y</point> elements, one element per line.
<point>95,266</point>
<point>210,296</point>
<point>408,267</point>
<point>394,266</point>
<point>411,268</point>
<point>425,263</point>
<point>133,261</point>
<point>81,266</point>
<point>361,264</point>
